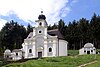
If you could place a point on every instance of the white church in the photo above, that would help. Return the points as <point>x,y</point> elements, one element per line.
<point>40,43</point>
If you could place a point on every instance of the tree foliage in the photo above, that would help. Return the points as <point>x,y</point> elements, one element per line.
<point>29,29</point>
<point>12,35</point>
<point>77,33</point>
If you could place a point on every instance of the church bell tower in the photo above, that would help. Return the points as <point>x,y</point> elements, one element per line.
<point>41,28</point>
<point>41,20</point>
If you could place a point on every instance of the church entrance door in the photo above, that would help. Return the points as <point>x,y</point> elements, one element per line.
<point>88,52</point>
<point>39,54</point>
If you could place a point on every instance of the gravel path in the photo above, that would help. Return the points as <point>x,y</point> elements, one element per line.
<point>83,65</point>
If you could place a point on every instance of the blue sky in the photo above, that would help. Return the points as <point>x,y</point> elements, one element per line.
<point>27,11</point>
<point>83,8</point>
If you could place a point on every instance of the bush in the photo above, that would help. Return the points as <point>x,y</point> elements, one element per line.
<point>1,63</point>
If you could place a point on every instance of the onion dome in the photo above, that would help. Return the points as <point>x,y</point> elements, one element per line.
<point>42,16</point>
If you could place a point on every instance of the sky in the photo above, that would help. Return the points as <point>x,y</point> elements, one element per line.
<point>27,11</point>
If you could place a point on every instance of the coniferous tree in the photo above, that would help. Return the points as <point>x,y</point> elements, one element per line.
<point>12,35</point>
<point>29,29</point>
<point>61,26</point>
<point>49,27</point>
<point>54,26</point>
<point>83,31</point>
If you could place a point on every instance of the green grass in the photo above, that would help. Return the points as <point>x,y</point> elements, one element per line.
<point>73,60</point>
<point>97,64</point>
<point>68,61</point>
<point>98,50</point>
<point>73,52</point>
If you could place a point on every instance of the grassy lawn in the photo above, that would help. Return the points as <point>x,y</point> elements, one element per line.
<point>73,52</point>
<point>73,60</point>
<point>97,64</point>
<point>68,61</point>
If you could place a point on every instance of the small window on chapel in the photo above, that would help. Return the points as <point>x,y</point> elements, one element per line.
<point>40,23</point>
<point>50,49</point>
<point>30,50</point>
<point>16,54</point>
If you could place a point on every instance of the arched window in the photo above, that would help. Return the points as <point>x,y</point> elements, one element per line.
<point>50,49</point>
<point>16,54</point>
<point>84,50</point>
<point>30,50</point>
<point>91,50</point>
<point>40,23</point>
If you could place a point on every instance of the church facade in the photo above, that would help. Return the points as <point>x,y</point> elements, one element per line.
<point>41,43</point>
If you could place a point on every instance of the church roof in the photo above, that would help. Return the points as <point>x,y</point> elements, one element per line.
<point>88,45</point>
<point>16,50</point>
<point>30,35</point>
<point>55,32</point>
<point>42,16</point>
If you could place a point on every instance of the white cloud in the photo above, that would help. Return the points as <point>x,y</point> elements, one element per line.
<point>2,23</point>
<point>65,11</point>
<point>30,9</point>
<point>73,2</point>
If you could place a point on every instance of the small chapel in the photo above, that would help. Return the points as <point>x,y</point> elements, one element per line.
<point>87,49</point>
<point>40,43</point>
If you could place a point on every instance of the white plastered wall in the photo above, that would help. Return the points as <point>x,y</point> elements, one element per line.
<point>25,50</point>
<point>54,50</point>
<point>81,51</point>
<point>45,49</point>
<point>17,57</point>
<point>62,48</point>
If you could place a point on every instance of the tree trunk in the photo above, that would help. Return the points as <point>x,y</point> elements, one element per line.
<point>80,44</point>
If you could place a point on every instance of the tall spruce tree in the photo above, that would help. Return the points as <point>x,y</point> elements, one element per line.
<point>12,35</point>
<point>29,29</point>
